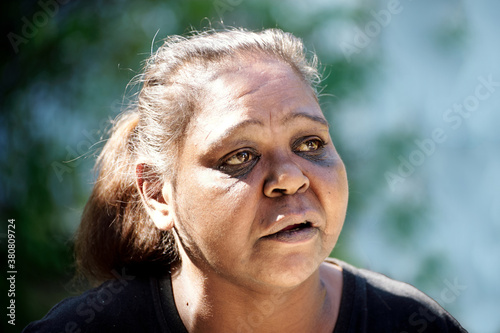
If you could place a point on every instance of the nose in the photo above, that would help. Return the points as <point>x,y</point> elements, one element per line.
<point>286,178</point>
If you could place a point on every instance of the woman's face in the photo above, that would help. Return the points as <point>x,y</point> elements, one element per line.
<point>261,192</point>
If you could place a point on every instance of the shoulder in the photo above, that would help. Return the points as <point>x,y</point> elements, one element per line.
<point>125,304</point>
<point>371,299</point>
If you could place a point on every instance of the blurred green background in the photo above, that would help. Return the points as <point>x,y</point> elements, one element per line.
<point>421,210</point>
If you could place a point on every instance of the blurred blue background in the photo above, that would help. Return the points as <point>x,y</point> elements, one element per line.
<point>412,91</point>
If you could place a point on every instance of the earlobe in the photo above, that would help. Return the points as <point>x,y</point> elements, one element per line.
<point>156,197</point>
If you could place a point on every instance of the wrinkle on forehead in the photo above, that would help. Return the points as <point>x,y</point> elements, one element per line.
<point>250,74</point>
<point>237,87</point>
<point>243,85</point>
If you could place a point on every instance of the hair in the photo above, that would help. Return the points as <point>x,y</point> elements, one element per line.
<point>115,229</point>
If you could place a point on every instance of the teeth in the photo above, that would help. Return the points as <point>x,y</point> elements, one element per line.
<point>297,226</point>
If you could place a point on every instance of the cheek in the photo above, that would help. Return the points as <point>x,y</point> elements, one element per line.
<point>332,189</point>
<point>338,181</point>
<point>213,209</point>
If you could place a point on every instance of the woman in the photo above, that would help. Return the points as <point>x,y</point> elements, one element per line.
<point>218,201</point>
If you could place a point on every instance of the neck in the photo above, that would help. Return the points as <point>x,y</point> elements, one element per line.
<point>209,303</point>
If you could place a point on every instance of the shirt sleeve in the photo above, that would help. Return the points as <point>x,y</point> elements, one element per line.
<point>116,306</point>
<point>372,302</point>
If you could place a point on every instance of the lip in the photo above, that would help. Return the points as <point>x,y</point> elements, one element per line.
<point>294,234</point>
<point>290,220</point>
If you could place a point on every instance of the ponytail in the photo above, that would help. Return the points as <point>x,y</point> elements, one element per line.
<point>115,229</point>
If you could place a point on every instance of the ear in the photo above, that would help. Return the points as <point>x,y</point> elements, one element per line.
<point>156,196</point>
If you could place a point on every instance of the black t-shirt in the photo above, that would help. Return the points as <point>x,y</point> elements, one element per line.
<point>370,303</point>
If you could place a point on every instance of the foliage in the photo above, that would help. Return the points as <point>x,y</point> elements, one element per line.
<point>66,82</point>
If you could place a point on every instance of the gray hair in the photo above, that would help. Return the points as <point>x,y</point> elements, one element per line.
<point>115,229</point>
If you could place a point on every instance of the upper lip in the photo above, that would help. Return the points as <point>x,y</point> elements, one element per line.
<point>285,220</point>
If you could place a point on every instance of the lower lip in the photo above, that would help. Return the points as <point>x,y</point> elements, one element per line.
<point>294,236</point>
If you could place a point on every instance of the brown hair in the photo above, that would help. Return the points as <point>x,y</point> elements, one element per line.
<point>115,230</point>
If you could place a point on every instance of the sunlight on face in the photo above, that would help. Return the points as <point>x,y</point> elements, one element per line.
<point>261,192</point>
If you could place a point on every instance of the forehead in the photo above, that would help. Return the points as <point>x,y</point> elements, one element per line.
<point>251,75</point>
<point>258,89</point>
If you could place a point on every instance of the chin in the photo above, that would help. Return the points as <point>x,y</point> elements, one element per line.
<point>290,271</point>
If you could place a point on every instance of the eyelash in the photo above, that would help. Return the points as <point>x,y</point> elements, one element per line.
<point>320,145</point>
<point>238,170</point>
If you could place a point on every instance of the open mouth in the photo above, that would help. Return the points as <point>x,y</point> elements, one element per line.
<point>294,233</point>
<point>295,227</point>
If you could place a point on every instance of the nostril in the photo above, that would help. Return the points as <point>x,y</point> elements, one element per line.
<point>303,188</point>
<point>279,191</point>
<point>285,180</point>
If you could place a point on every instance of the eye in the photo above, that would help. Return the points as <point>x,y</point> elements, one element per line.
<point>239,163</point>
<point>309,145</point>
<point>240,158</point>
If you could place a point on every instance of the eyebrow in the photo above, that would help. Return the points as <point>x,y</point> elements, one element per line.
<point>233,129</point>
<point>253,122</point>
<point>304,115</point>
